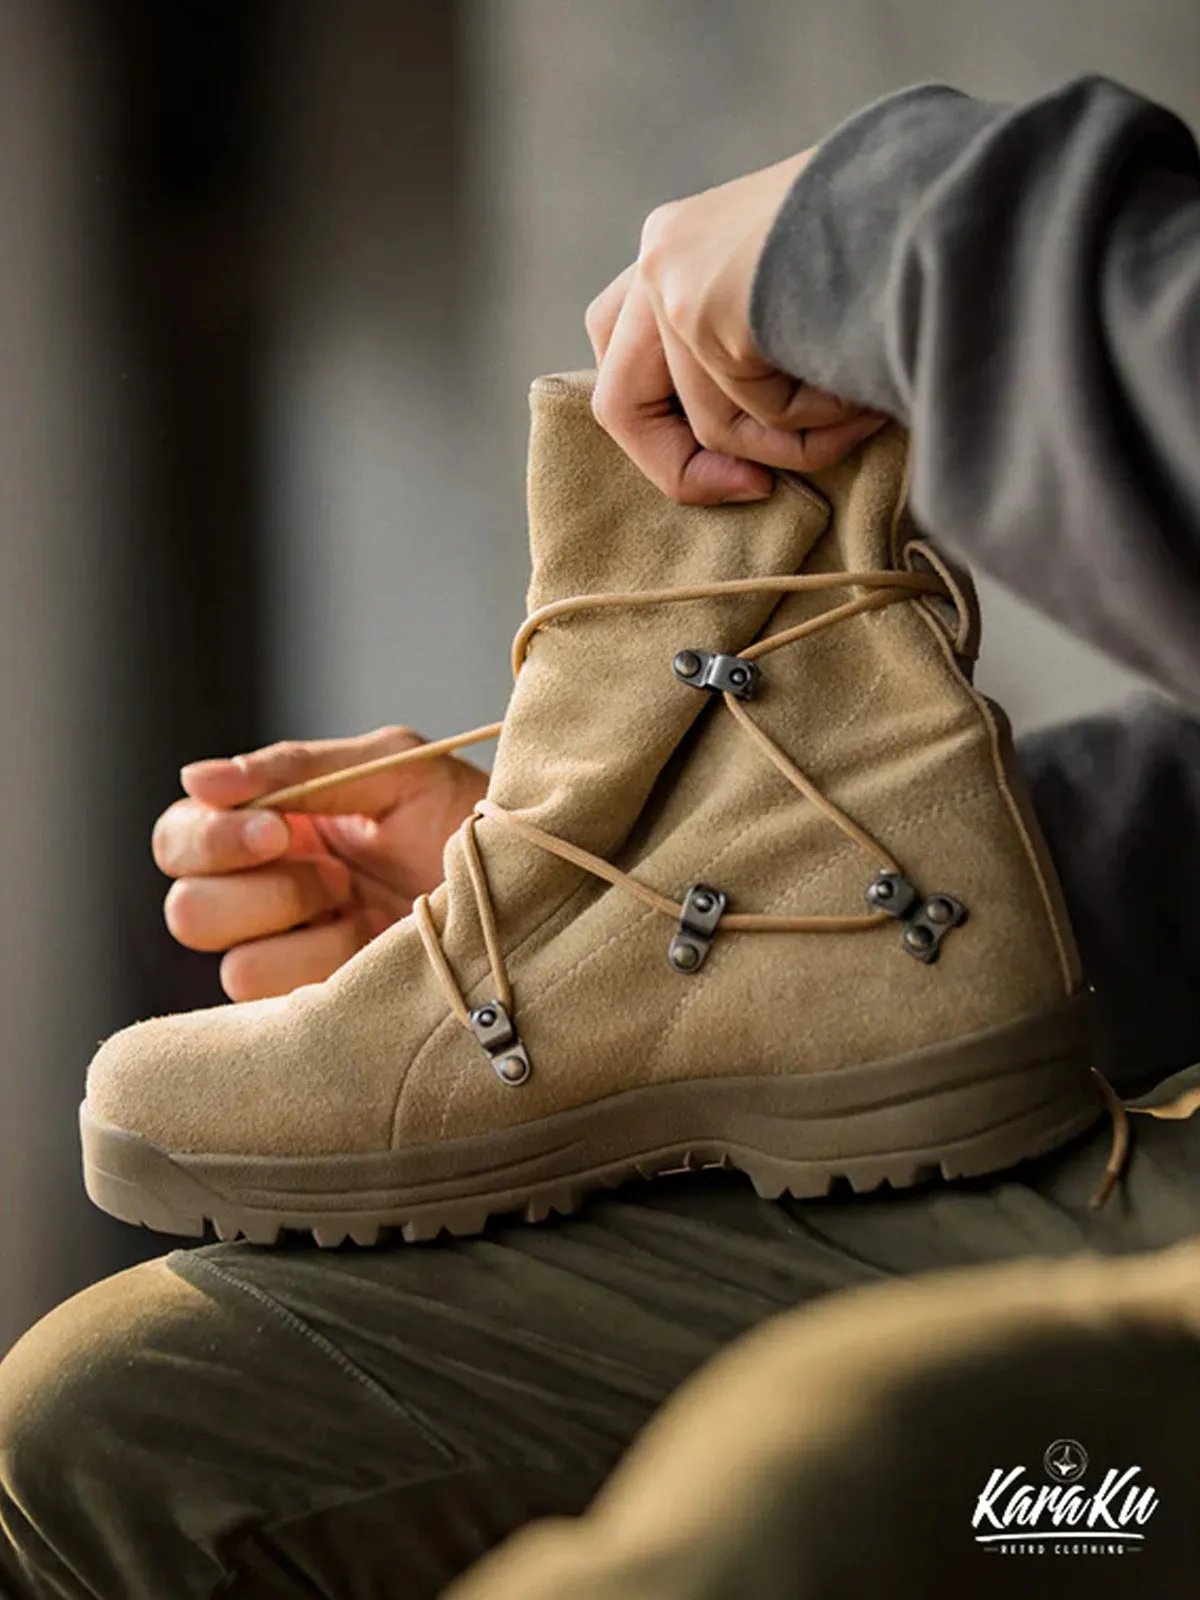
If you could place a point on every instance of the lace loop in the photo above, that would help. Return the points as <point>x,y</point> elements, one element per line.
<point>1118,1154</point>
<point>906,584</point>
<point>423,917</point>
<point>487,914</point>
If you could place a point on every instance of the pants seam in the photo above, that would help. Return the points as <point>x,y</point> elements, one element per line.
<point>327,1348</point>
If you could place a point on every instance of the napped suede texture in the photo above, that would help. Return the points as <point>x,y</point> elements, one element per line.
<point>604,747</point>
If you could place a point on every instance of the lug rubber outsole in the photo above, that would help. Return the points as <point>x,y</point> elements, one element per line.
<point>981,1105</point>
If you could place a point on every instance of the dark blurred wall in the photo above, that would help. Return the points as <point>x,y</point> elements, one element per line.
<point>133,282</point>
<point>61,491</point>
<point>230,504</point>
<point>396,570</point>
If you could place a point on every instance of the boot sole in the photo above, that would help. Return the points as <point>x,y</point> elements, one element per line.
<point>975,1106</point>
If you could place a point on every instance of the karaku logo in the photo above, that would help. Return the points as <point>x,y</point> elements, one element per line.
<point>1065,1461</point>
<point>1017,1516</point>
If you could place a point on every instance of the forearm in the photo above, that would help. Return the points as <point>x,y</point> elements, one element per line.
<point>1022,287</point>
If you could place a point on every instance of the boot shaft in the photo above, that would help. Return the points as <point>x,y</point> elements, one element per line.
<point>605,746</point>
<point>588,728</point>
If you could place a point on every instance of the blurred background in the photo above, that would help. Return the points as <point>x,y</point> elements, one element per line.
<point>273,281</point>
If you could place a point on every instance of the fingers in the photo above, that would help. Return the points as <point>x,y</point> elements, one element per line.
<point>600,318</point>
<point>767,407</point>
<point>195,838</point>
<point>721,426</point>
<point>776,399</point>
<point>275,966</point>
<point>707,438</point>
<point>682,385</point>
<point>218,913</point>
<point>190,838</point>
<point>235,782</point>
<point>635,401</point>
<point>825,447</point>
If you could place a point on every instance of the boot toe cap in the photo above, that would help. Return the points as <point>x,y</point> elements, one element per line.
<point>247,1079</point>
<point>173,1080</point>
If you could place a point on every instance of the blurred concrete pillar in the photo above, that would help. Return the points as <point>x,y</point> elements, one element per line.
<point>59,456</point>
<point>128,308</point>
<point>394,581</point>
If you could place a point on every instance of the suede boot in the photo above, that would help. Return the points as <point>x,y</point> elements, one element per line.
<point>755,884</point>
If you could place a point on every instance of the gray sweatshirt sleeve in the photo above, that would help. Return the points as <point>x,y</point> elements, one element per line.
<point>1118,798</point>
<point>1021,286</point>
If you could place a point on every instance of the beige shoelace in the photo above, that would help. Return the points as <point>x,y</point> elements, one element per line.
<point>883,589</point>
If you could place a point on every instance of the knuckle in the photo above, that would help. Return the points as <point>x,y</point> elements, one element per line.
<point>162,840</point>
<point>742,350</point>
<point>238,975</point>
<point>282,758</point>
<point>678,308</point>
<point>657,228</point>
<point>397,735</point>
<point>709,433</point>
<point>182,910</point>
<point>212,837</point>
<point>593,317</point>
<point>602,407</point>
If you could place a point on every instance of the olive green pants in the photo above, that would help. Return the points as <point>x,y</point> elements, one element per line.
<point>921,1438</point>
<point>366,1424</point>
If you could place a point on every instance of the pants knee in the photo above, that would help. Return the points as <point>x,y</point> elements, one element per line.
<point>71,1391</point>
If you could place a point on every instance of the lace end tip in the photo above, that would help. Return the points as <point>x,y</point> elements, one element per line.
<point>1103,1190</point>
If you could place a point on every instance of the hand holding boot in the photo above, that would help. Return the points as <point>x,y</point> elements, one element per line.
<point>290,899</point>
<point>682,387</point>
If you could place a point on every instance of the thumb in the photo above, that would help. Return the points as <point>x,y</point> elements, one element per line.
<point>240,780</point>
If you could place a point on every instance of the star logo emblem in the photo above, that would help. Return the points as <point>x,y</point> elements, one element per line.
<point>1065,1461</point>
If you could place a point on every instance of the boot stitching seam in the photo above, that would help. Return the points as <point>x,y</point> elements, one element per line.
<point>992,730</point>
<point>945,803</point>
<point>904,516</point>
<point>481,970</point>
<point>595,951</point>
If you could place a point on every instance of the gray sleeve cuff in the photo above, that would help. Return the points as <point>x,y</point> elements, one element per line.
<point>821,301</point>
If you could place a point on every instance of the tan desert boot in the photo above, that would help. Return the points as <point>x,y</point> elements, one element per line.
<point>754,884</point>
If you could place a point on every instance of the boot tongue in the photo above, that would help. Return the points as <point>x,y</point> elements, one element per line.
<point>597,710</point>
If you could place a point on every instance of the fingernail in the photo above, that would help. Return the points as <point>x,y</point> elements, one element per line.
<point>265,834</point>
<point>202,769</point>
<point>741,497</point>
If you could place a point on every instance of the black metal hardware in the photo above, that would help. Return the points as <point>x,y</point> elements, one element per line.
<point>930,924</point>
<point>494,1031</point>
<point>703,669</point>
<point>926,921</point>
<point>703,908</point>
<point>894,893</point>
